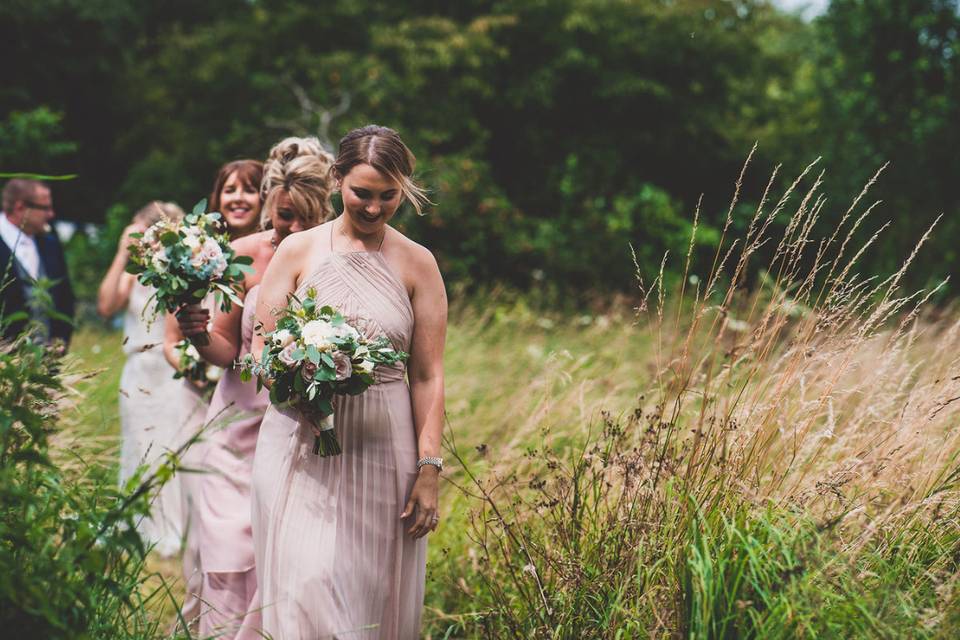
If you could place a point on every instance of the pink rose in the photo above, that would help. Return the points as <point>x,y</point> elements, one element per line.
<point>286,355</point>
<point>308,370</point>
<point>342,365</point>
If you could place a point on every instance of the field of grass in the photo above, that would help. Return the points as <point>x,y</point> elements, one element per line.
<point>511,374</point>
<point>721,462</point>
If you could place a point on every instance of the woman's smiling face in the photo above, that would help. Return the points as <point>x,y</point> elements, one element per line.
<point>370,198</point>
<point>239,204</point>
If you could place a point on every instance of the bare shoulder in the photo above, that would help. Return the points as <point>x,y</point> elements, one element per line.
<point>297,242</point>
<point>420,259</point>
<point>249,245</point>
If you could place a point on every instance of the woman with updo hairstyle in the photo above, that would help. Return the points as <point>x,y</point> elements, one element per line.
<point>340,541</point>
<point>296,192</point>
<point>149,422</point>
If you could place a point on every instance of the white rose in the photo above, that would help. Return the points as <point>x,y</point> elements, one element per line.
<point>191,242</point>
<point>345,331</point>
<point>219,267</point>
<point>192,352</point>
<point>159,262</point>
<point>282,338</point>
<point>318,333</point>
<point>214,373</point>
<point>211,250</point>
<point>365,366</point>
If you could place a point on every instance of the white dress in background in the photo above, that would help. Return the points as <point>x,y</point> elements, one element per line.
<point>151,418</point>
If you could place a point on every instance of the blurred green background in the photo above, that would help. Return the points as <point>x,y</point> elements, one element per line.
<point>552,133</point>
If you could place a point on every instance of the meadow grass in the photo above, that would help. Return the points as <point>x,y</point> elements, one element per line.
<point>757,453</point>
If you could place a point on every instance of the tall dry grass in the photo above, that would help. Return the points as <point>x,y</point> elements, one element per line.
<point>788,468</point>
<point>757,452</point>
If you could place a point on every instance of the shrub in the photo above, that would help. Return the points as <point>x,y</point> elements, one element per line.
<point>71,562</point>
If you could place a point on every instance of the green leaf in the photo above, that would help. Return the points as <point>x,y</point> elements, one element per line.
<point>327,360</point>
<point>313,354</point>
<point>324,406</point>
<point>324,374</point>
<point>200,207</point>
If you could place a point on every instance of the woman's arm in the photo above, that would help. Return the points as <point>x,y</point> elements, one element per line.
<point>114,293</point>
<point>224,345</point>
<point>279,280</point>
<point>171,336</point>
<point>425,372</point>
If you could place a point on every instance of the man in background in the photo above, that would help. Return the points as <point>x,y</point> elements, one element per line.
<point>34,284</point>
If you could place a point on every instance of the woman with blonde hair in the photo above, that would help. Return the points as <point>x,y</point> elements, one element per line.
<point>149,422</point>
<point>340,541</point>
<point>296,192</point>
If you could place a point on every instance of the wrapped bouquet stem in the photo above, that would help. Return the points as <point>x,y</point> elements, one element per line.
<point>313,355</point>
<point>325,441</point>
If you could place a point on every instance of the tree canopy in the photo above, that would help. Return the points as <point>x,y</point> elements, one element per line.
<point>553,134</point>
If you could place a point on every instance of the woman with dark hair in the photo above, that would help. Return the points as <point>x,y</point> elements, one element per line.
<point>340,546</point>
<point>236,196</point>
<point>296,191</point>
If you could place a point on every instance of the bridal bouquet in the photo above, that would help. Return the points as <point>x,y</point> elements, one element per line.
<point>312,355</point>
<point>195,369</point>
<point>184,260</point>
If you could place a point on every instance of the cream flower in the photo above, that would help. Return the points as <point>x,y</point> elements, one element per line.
<point>365,366</point>
<point>282,338</point>
<point>319,333</point>
<point>192,242</point>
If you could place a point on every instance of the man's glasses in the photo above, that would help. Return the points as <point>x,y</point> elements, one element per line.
<point>39,207</point>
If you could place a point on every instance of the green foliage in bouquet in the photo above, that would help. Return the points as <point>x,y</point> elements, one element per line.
<point>314,354</point>
<point>184,261</point>
<point>194,369</point>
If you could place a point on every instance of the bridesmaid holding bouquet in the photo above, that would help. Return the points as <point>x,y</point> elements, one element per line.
<point>236,196</point>
<point>340,540</point>
<point>295,192</point>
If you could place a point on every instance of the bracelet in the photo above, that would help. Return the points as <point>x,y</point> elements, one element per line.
<point>437,462</point>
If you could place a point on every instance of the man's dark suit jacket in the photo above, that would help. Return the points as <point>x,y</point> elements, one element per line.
<point>13,296</point>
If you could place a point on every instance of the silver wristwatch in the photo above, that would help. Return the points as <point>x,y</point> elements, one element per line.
<point>437,462</point>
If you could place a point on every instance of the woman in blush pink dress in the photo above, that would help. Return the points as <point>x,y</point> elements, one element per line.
<point>296,190</point>
<point>340,541</point>
<point>236,196</point>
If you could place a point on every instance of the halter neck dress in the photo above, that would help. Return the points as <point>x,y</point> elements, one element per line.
<point>332,554</point>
